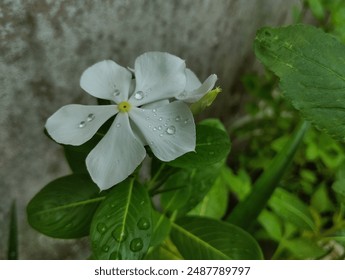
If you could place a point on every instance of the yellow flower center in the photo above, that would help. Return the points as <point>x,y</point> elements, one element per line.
<point>124,106</point>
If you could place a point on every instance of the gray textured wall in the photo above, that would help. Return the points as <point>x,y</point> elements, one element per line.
<point>46,44</point>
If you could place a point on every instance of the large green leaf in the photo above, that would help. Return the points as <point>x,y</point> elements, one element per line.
<point>215,203</point>
<point>122,225</point>
<point>185,189</point>
<point>212,146</point>
<point>161,226</point>
<point>292,209</point>
<point>207,239</point>
<point>64,207</point>
<point>311,68</point>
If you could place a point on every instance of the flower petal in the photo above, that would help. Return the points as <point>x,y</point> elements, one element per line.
<point>156,104</point>
<point>75,124</point>
<point>116,156</point>
<point>192,81</point>
<point>107,80</point>
<point>158,76</point>
<point>169,130</point>
<point>194,89</point>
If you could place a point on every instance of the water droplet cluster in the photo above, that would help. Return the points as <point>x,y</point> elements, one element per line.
<point>167,127</point>
<point>88,119</point>
<point>116,91</point>
<point>120,235</point>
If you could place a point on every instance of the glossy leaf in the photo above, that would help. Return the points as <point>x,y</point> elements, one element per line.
<point>185,189</point>
<point>303,248</point>
<point>161,226</point>
<point>215,203</point>
<point>166,251</point>
<point>212,146</point>
<point>64,208</point>
<point>311,66</point>
<point>292,209</point>
<point>207,239</point>
<point>122,225</point>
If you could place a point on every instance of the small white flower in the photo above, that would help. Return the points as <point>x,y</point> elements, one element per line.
<point>144,116</point>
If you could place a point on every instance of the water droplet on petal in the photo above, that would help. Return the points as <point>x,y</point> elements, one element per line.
<point>155,115</point>
<point>139,95</point>
<point>154,110</point>
<point>101,228</point>
<point>143,223</point>
<point>161,135</point>
<point>118,125</point>
<point>178,118</point>
<point>90,117</point>
<point>116,92</point>
<point>82,124</point>
<point>160,119</point>
<point>119,234</point>
<point>115,256</point>
<point>136,244</point>
<point>165,124</point>
<point>154,129</point>
<point>160,127</point>
<point>171,130</point>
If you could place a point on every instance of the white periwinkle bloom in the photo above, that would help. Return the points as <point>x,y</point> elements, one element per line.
<point>150,110</point>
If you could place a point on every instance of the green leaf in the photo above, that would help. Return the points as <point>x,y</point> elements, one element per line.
<point>339,188</point>
<point>212,146</point>
<point>311,68</point>
<point>207,239</point>
<point>186,188</point>
<point>321,201</point>
<point>292,209</point>
<point>215,203</point>
<point>12,253</point>
<point>166,251</point>
<point>317,8</point>
<point>161,226</point>
<point>239,183</point>
<point>272,224</point>
<point>247,210</point>
<point>64,207</point>
<point>214,123</point>
<point>122,225</point>
<point>303,248</point>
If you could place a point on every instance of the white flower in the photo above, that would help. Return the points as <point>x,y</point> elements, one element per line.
<point>148,115</point>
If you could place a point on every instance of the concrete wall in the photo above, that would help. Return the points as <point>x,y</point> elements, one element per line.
<point>46,44</point>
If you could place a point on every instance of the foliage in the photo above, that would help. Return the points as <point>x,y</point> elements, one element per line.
<point>283,191</point>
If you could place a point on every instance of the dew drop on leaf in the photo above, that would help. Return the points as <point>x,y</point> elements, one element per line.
<point>143,223</point>
<point>101,227</point>
<point>136,244</point>
<point>105,248</point>
<point>119,234</point>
